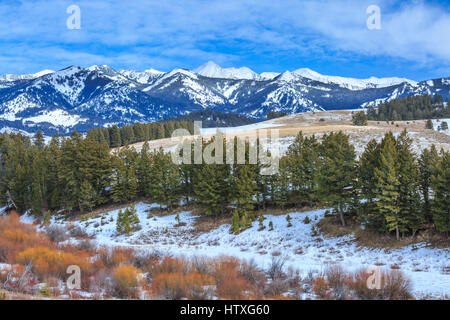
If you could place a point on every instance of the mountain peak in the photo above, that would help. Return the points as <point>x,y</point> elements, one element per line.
<point>212,70</point>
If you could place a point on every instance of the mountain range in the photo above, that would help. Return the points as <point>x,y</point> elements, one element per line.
<point>78,98</point>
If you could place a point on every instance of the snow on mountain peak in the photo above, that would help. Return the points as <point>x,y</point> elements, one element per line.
<point>352,83</point>
<point>212,70</point>
<point>14,77</point>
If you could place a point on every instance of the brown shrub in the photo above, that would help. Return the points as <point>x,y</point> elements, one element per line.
<point>49,262</point>
<point>233,288</point>
<point>225,268</point>
<point>115,256</point>
<point>171,286</point>
<point>126,280</point>
<point>171,265</point>
<point>320,287</point>
<point>394,286</point>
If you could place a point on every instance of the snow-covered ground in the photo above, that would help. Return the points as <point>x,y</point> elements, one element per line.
<point>437,123</point>
<point>253,126</point>
<point>425,266</point>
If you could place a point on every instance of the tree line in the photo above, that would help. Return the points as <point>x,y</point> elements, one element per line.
<point>138,132</point>
<point>388,189</point>
<point>411,108</point>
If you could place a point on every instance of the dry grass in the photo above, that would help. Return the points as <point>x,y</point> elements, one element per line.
<point>336,120</point>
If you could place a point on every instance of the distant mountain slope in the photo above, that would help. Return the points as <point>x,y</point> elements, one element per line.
<point>78,98</point>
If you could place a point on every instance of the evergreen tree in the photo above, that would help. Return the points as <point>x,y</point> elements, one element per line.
<point>441,187</point>
<point>338,171</point>
<point>87,196</point>
<point>427,165</point>
<point>368,161</point>
<point>387,187</point>
<point>39,140</point>
<point>408,178</point>
<point>115,139</point>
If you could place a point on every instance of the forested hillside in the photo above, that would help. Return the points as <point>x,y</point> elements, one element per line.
<point>411,108</point>
<point>389,189</point>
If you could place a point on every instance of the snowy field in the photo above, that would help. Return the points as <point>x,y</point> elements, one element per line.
<point>437,123</point>
<point>426,267</point>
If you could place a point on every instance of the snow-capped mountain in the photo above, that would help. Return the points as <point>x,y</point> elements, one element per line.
<point>15,77</point>
<point>352,83</point>
<point>78,98</point>
<point>212,70</point>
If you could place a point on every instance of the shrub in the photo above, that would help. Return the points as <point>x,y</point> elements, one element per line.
<point>50,262</point>
<point>225,268</point>
<point>276,287</point>
<point>336,280</point>
<point>199,286</point>
<point>56,233</point>
<point>320,287</point>
<point>126,280</point>
<point>251,273</point>
<point>233,288</point>
<point>175,286</point>
<point>394,286</point>
<point>171,265</point>
<point>115,256</point>
<point>78,232</point>
<point>276,267</point>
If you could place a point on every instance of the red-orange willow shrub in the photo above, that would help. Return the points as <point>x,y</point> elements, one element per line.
<point>178,285</point>
<point>50,262</point>
<point>16,236</point>
<point>234,288</point>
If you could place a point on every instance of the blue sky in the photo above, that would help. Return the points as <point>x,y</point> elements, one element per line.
<point>330,37</point>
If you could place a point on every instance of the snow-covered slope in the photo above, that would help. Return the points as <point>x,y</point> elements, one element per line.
<point>302,249</point>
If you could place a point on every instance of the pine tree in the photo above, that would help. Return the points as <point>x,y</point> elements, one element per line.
<point>244,188</point>
<point>408,178</point>
<point>338,171</point>
<point>87,196</point>
<point>115,139</point>
<point>281,184</point>
<point>235,223</point>
<point>303,167</point>
<point>427,165</point>
<point>39,140</point>
<point>368,161</point>
<point>387,187</point>
<point>261,223</point>
<point>288,219</point>
<point>441,187</point>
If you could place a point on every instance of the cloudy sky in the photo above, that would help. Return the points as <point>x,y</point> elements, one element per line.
<point>328,36</point>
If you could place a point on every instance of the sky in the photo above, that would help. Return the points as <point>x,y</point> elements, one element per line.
<point>329,36</point>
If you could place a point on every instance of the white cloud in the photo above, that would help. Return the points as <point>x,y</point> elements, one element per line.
<point>165,34</point>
